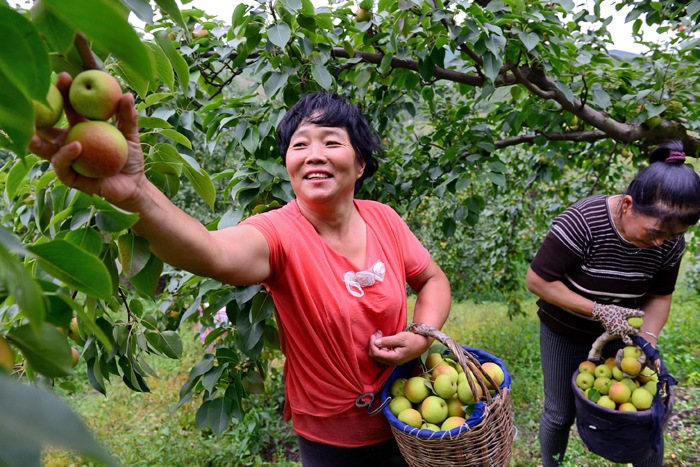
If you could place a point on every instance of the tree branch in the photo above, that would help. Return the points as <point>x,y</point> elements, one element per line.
<point>83,47</point>
<point>578,136</point>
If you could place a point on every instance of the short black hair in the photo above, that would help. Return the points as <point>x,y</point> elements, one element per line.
<point>330,109</point>
<point>667,189</point>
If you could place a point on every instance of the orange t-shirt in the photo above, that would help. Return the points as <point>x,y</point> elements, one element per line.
<point>325,329</point>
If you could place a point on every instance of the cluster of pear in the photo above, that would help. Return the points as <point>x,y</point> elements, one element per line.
<point>437,396</point>
<point>94,95</point>
<point>626,386</point>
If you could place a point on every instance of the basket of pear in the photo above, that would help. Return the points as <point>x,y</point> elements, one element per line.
<point>623,404</point>
<point>451,406</point>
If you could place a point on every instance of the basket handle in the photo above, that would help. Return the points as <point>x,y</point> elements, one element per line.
<point>467,361</point>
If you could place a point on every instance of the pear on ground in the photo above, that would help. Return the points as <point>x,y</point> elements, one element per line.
<point>398,405</point>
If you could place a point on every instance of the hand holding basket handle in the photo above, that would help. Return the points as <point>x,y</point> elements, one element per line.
<point>614,320</point>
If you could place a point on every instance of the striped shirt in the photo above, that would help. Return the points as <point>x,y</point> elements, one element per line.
<point>585,251</point>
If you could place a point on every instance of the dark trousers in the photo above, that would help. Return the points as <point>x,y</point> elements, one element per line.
<point>561,357</point>
<point>384,454</point>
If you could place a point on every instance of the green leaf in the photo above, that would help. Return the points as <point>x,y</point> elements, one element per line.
<point>48,353</point>
<point>31,418</point>
<point>86,320</point>
<point>153,122</point>
<point>449,227</point>
<point>322,76</point>
<point>202,184</point>
<point>134,253</point>
<point>86,238</point>
<point>220,414</point>
<point>170,344</point>
<point>179,64</point>
<point>105,25</point>
<point>75,267</point>
<point>16,117</point>
<point>164,70</point>
<point>530,39</point>
<point>171,8</point>
<point>18,175</point>
<point>146,280</point>
<point>251,139</point>
<point>56,32</point>
<point>307,7</point>
<point>279,34</point>
<point>24,59</point>
<point>142,9</point>
<point>20,284</point>
<point>274,83</point>
<point>132,78</point>
<point>177,137</point>
<point>112,219</point>
<point>496,178</point>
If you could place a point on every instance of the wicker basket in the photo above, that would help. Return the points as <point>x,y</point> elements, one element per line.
<point>487,437</point>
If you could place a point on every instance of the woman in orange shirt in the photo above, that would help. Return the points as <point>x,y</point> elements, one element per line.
<point>335,266</point>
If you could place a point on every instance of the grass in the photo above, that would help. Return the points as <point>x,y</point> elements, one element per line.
<point>139,431</point>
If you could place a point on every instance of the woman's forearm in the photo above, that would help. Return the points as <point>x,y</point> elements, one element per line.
<point>656,310</point>
<point>558,294</point>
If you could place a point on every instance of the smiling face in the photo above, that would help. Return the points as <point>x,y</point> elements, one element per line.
<point>322,164</point>
<point>645,231</point>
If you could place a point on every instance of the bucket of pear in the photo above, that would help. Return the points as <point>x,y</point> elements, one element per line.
<point>451,406</point>
<point>623,404</point>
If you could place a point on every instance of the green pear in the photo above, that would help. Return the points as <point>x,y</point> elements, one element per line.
<point>429,426</point>
<point>642,399</point>
<point>445,386</point>
<point>7,358</point>
<point>627,407</point>
<point>452,422</point>
<point>76,356</point>
<point>606,402</point>
<point>434,409</point>
<point>620,393</point>
<point>396,388</point>
<point>46,117</point>
<point>416,390</point>
<point>94,94</point>
<point>602,384</point>
<point>74,332</point>
<point>398,405</point>
<point>602,371</point>
<point>433,360</point>
<point>454,407</point>
<point>104,149</point>
<point>411,417</point>
<point>631,351</point>
<point>585,380</point>
<point>464,392</point>
<point>651,386</point>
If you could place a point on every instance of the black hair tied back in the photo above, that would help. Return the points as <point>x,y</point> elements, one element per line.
<point>667,189</point>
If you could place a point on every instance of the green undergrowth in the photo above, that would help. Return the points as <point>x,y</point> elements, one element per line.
<point>139,430</point>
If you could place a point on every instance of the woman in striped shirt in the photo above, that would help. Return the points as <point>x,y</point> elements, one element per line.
<point>606,258</point>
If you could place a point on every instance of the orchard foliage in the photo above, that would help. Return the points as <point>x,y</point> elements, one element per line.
<point>494,115</point>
